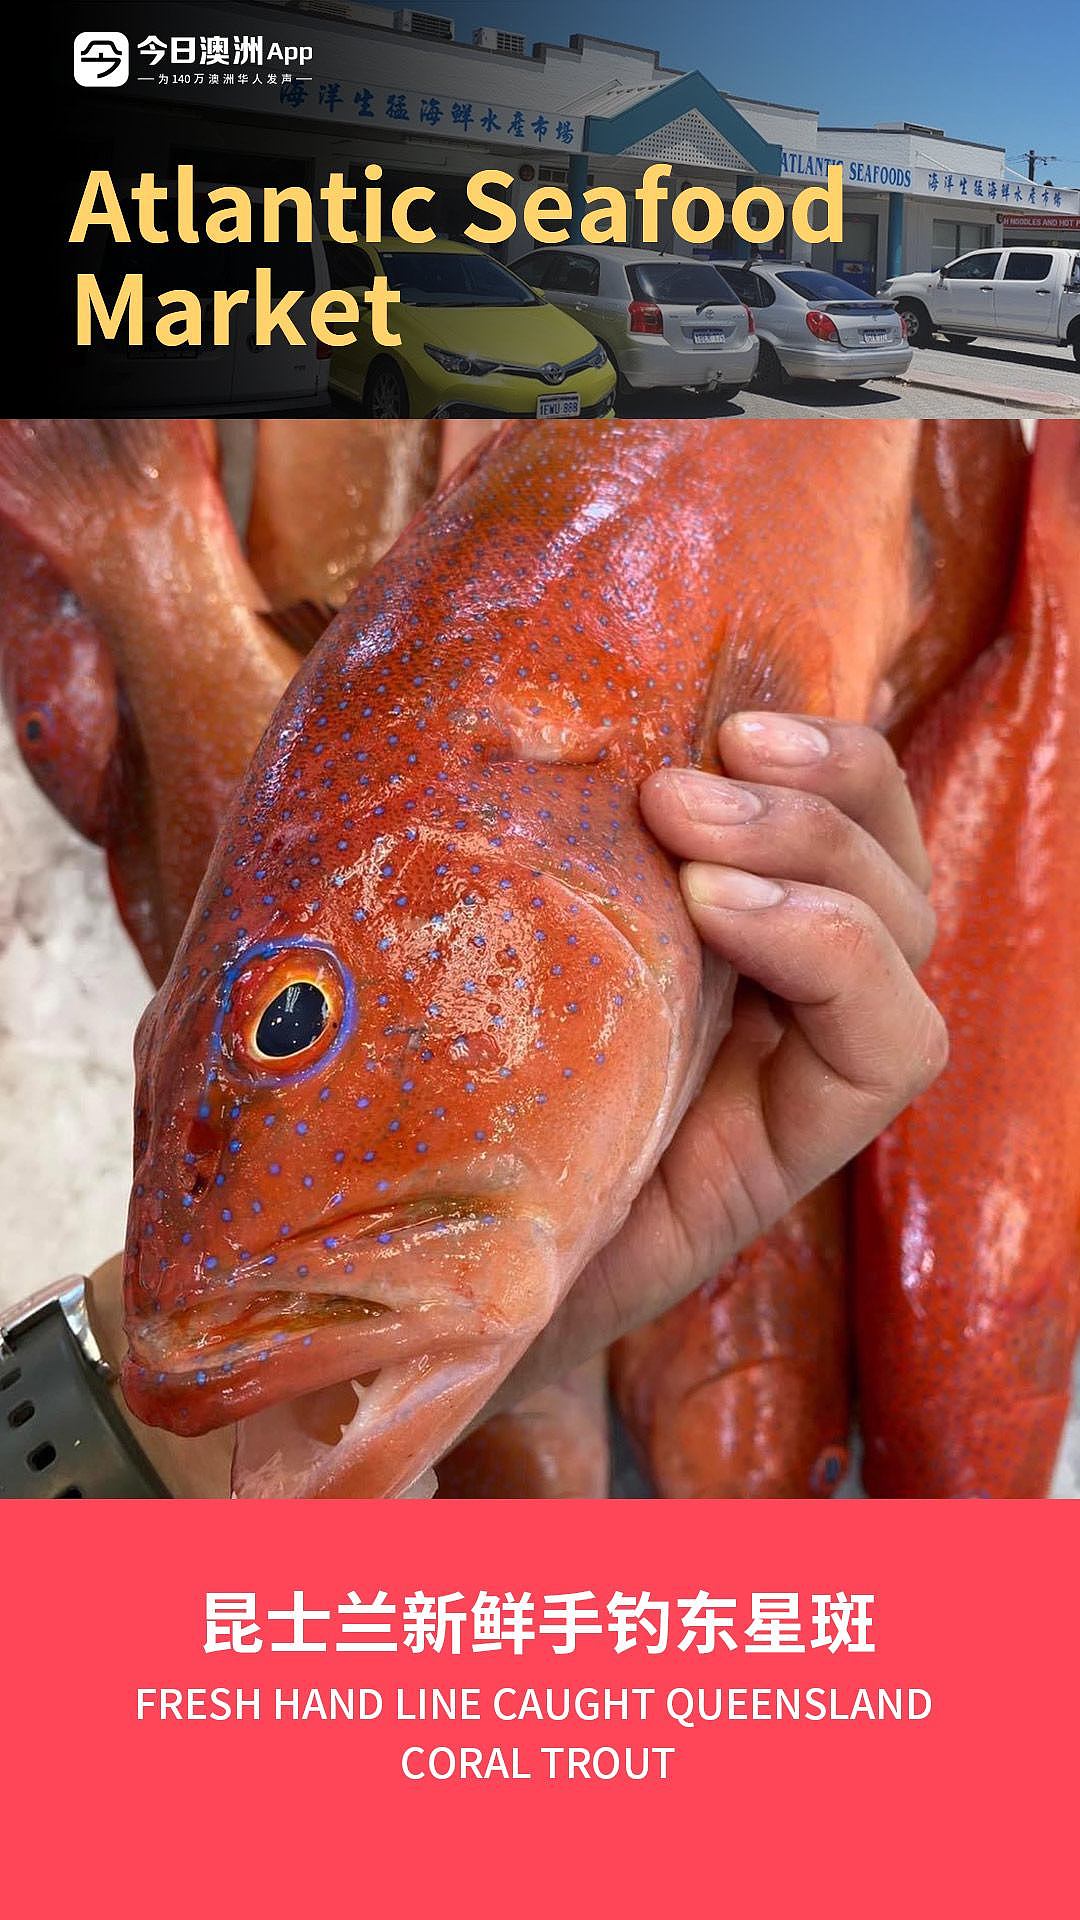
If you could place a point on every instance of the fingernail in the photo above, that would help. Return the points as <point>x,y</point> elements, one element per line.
<point>710,886</point>
<point>787,743</point>
<point>709,798</point>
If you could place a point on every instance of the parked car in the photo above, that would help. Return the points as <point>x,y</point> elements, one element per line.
<point>1020,293</point>
<point>663,320</point>
<point>815,326</point>
<point>237,377</point>
<point>476,342</point>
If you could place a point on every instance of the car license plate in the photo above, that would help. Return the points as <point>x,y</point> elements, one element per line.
<point>876,336</point>
<point>709,336</point>
<point>566,407</point>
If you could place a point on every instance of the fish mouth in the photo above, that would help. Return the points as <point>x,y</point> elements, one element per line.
<point>269,1306</point>
<point>352,1383</point>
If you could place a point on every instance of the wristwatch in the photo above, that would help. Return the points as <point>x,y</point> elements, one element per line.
<point>61,1436</point>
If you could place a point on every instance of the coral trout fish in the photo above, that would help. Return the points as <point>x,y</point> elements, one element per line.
<point>58,687</point>
<point>329,498</point>
<point>439,1007</point>
<point>553,1446</point>
<point>742,1390</point>
<point>971,488</point>
<point>968,1216</point>
<point>146,544</point>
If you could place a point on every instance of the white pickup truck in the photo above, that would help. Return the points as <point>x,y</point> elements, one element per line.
<point>1017,293</point>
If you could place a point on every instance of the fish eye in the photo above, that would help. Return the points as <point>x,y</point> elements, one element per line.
<point>33,726</point>
<point>293,1020</point>
<point>286,1009</point>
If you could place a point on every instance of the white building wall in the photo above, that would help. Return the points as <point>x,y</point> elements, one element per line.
<point>911,149</point>
<point>786,126</point>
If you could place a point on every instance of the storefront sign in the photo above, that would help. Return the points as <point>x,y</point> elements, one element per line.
<point>1045,222</point>
<point>440,115</point>
<point>857,173</point>
<point>931,183</point>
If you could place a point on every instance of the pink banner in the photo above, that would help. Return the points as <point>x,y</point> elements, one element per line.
<point>514,1709</point>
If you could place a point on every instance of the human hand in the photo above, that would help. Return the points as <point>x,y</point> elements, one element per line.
<point>805,869</point>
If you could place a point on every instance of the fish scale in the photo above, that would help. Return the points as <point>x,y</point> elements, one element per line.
<point>639,562</point>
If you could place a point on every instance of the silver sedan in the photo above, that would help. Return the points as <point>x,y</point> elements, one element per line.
<point>664,320</point>
<point>815,326</point>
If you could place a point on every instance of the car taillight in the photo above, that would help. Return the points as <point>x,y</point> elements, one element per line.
<point>903,325</point>
<point>645,317</point>
<point>749,320</point>
<point>821,326</point>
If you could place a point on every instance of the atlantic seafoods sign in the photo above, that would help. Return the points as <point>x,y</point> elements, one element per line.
<point>941,183</point>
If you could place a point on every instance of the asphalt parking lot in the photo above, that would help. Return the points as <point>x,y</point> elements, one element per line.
<point>988,380</point>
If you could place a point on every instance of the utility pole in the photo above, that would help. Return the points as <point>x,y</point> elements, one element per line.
<point>1037,159</point>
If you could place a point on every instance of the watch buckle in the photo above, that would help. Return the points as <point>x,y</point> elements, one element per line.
<point>70,1296</point>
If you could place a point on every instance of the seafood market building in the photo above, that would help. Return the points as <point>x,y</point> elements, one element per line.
<point>399,88</point>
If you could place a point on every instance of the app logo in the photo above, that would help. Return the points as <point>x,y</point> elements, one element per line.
<point>101,59</point>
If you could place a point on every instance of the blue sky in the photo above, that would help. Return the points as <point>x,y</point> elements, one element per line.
<point>981,69</point>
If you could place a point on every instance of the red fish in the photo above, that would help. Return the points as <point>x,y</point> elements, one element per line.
<point>554,1446</point>
<point>439,1006</point>
<point>329,498</point>
<point>968,1229</point>
<point>139,529</point>
<point>970,492</point>
<point>58,687</point>
<point>742,1390</point>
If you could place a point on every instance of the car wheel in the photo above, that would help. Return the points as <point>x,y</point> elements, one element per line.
<point>1074,340</point>
<point>770,376</point>
<point>386,397</point>
<point>918,322</point>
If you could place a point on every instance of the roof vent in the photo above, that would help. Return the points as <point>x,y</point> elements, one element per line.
<point>426,26</point>
<point>495,40</point>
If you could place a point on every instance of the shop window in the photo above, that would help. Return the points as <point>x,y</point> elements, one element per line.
<point>1028,266</point>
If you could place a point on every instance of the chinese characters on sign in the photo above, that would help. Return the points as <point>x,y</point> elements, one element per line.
<point>941,183</point>
<point>448,1623</point>
<point>968,186</point>
<point>444,113</point>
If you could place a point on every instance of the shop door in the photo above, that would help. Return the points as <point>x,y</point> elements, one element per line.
<point>857,253</point>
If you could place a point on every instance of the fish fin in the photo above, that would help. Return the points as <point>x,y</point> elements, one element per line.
<point>785,666</point>
<point>60,478</point>
<point>303,623</point>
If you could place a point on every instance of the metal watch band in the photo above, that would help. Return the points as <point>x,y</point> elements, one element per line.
<point>60,1434</point>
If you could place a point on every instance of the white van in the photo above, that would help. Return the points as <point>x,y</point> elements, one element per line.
<point>239,377</point>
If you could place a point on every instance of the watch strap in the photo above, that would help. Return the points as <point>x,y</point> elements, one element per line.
<point>61,1436</point>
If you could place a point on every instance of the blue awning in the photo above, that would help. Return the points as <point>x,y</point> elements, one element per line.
<point>661,106</point>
